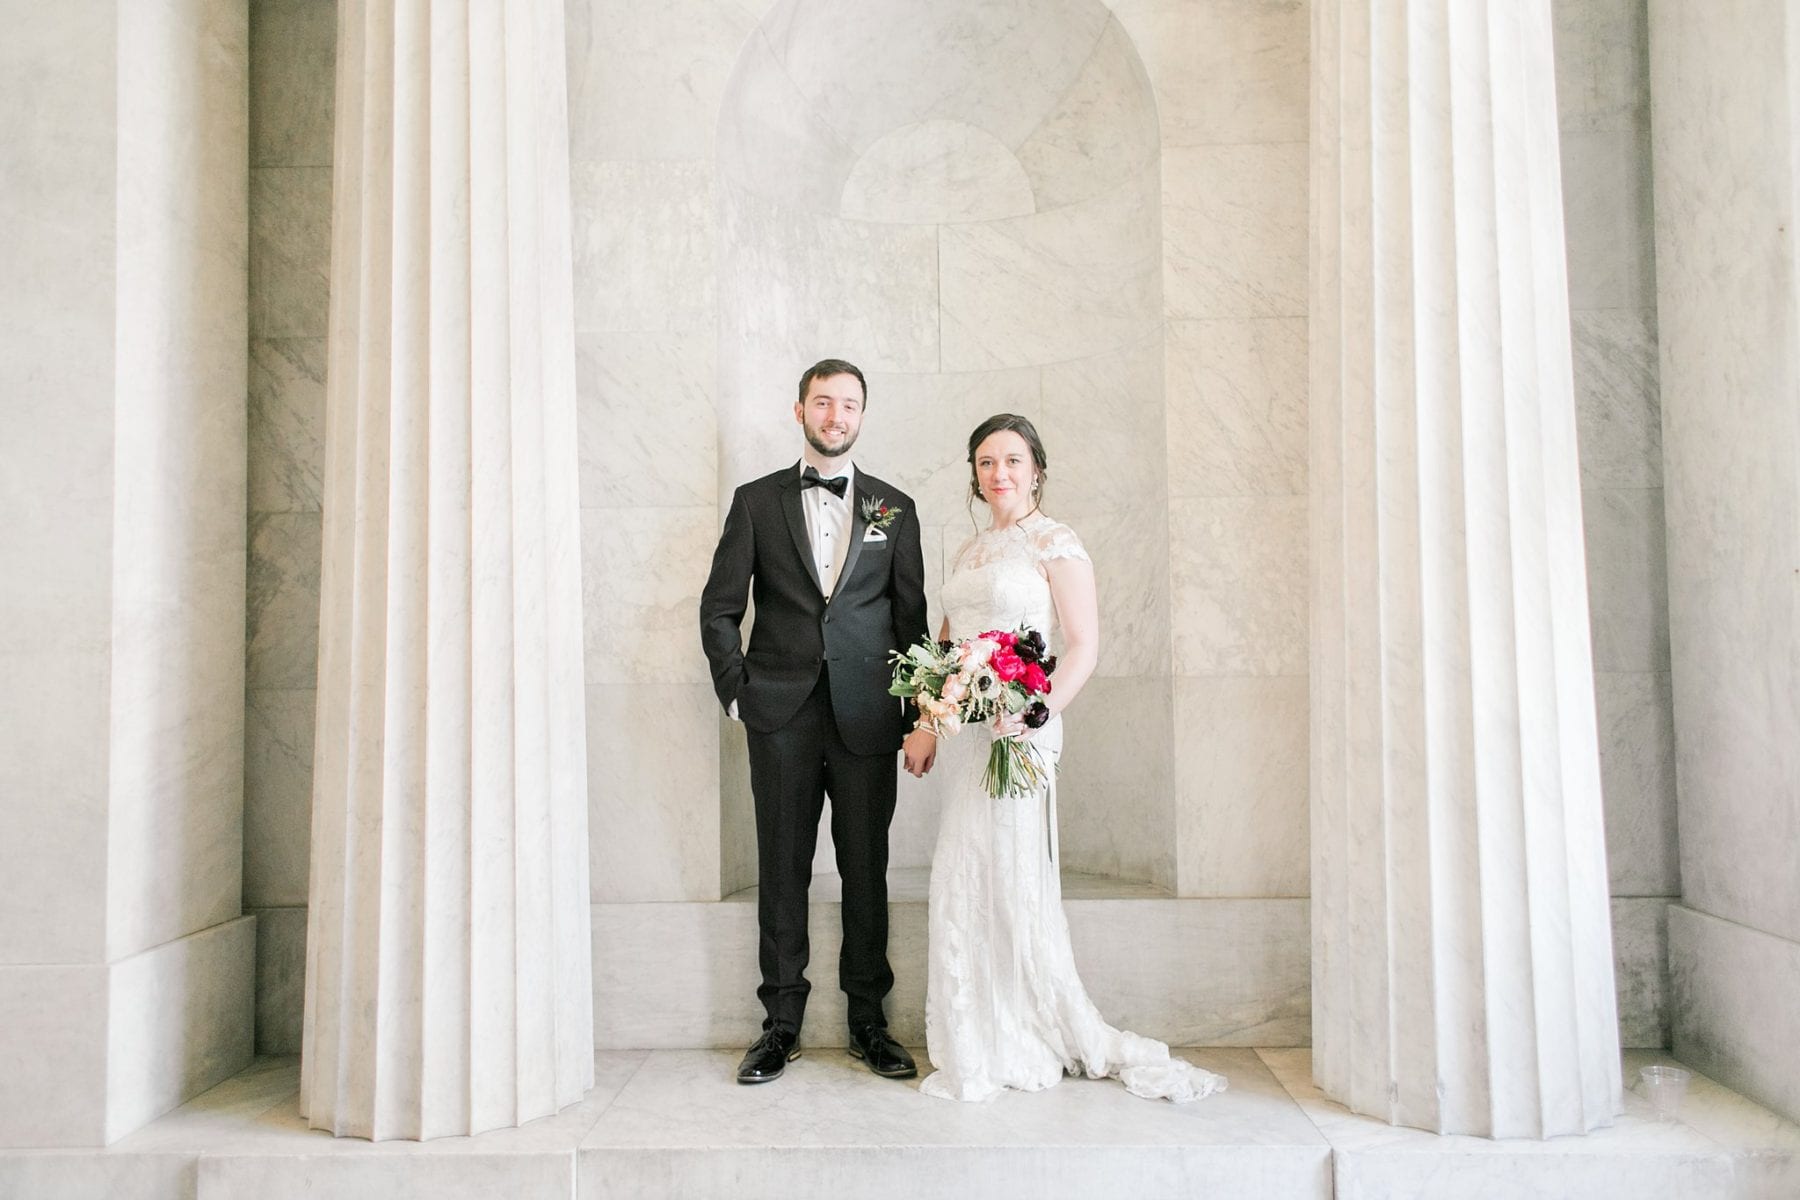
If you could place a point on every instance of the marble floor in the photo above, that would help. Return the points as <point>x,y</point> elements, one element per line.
<point>672,1123</point>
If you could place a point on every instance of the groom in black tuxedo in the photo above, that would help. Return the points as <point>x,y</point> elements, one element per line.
<point>832,556</point>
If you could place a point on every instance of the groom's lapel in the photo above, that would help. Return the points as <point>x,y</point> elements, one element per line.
<point>796,523</point>
<point>858,527</point>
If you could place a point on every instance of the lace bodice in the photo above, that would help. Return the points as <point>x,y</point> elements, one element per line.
<point>998,580</point>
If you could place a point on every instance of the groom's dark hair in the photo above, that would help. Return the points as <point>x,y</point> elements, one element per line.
<point>825,368</point>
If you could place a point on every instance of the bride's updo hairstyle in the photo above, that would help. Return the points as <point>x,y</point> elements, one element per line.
<point>1003,423</point>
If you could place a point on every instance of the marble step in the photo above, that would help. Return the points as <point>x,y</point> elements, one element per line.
<point>674,1124</point>
<point>1191,972</point>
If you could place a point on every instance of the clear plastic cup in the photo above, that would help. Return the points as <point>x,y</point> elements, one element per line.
<point>1664,1087</point>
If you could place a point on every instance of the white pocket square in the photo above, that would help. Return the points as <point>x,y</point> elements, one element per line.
<point>874,535</point>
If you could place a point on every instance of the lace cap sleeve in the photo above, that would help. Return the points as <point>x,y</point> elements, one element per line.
<point>1058,541</point>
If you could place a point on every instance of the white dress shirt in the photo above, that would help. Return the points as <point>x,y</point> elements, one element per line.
<point>828,526</point>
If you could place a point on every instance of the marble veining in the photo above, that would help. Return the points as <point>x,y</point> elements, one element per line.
<point>1224,73</point>
<point>287,423</point>
<point>1237,407</point>
<point>1235,243</point>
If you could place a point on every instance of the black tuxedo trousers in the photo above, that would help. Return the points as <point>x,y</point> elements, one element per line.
<point>811,690</point>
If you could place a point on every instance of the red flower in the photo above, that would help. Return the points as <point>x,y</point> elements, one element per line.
<point>1007,666</point>
<point>1006,641</point>
<point>1034,679</point>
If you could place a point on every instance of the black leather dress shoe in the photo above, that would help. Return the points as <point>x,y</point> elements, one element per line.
<point>769,1056</point>
<point>885,1056</point>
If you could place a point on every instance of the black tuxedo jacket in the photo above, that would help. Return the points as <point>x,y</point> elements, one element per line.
<point>878,607</point>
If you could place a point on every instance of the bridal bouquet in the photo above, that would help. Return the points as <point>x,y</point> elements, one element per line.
<point>960,683</point>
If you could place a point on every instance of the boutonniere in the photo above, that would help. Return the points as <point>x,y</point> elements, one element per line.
<point>878,513</point>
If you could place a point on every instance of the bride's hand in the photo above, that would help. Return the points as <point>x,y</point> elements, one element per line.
<point>1010,724</point>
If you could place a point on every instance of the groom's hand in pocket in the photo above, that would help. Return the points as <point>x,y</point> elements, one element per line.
<point>920,751</point>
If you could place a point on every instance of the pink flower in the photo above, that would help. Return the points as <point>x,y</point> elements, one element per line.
<point>975,652</point>
<point>1034,679</point>
<point>956,688</point>
<point>1007,666</point>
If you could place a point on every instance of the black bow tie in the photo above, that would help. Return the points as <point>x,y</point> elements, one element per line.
<point>811,478</point>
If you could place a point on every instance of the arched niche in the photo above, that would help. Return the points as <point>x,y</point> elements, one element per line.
<point>965,201</point>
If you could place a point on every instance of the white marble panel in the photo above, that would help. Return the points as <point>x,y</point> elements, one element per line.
<point>1001,65</point>
<point>1237,407</point>
<point>1224,73</point>
<point>1115,782</point>
<point>287,424</point>
<point>674,975</point>
<point>1235,231</point>
<point>937,171</point>
<point>1730,362</point>
<point>1103,129</point>
<point>646,419</point>
<point>290,250</point>
<point>1638,1156</point>
<point>1238,585</point>
<point>181,1018</point>
<point>1628,595</point>
<point>682,1128</point>
<point>53,798</point>
<point>643,571</point>
<point>1068,283</point>
<point>1732,992</point>
<point>1198,972</point>
<point>1104,428</point>
<point>54,1047</point>
<point>282,602</point>
<point>646,80</point>
<point>644,241</point>
<point>471,1176</point>
<point>1617,403</point>
<point>653,792</point>
<point>772,142</point>
<point>916,433</point>
<point>1641,970</point>
<point>64,1175</point>
<point>1131,574</point>
<point>737,811</point>
<point>1241,807</point>
<point>1637,778</point>
<point>1191,972</point>
<point>817,286</point>
<point>1608,220</point>
<point>280,978</point>
<point>1602,64</point>
<point>278,761</point>
<point>293,58</point>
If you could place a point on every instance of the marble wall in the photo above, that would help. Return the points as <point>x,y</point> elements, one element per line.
<point>975,220</point>
<point>1174,405</point>
<point>292,56</point>
<point>121,939</point>
<point>1725,81</point>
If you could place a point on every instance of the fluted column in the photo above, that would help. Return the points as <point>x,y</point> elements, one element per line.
<point>1462,970</point>
<point>448,975</point>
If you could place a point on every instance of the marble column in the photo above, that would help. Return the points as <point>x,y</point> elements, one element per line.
<point>448,961</point>
<point>1462,967</point>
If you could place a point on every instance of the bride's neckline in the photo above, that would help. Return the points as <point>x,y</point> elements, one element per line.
<point>1026,524</point>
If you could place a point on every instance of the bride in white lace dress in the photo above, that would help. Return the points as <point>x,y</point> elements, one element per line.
<point>1004,1005</point>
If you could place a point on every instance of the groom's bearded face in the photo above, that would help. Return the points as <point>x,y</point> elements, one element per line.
<point>831,415</point>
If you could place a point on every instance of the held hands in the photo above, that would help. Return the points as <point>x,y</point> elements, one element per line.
<point>920,751</point>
